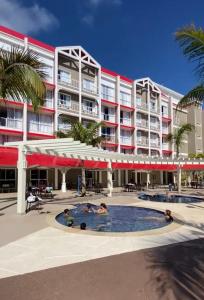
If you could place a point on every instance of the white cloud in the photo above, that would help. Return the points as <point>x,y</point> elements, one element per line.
<point>27,19</point>
<point>92,7</point>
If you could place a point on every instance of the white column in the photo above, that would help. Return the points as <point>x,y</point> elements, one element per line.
<point>174,178</point>
<point>63,186</point>
<point>56,179</point>
<point>148,180</point>
<point>80,87</point>
<point>179,179</point>
<point>109,180</point>
<point>136,177</point>
<point>83,180</point>
<point>99,97</point>
<point>25,125</point>
<point>118,110</point>
<point>22,165</point>
<point>119,177</point>
<point>56,91</point>
<point>126,176</point>
<point>100,177</point>
<point>148,103</point>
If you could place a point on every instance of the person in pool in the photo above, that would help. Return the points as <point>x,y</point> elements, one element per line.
<point>168,216</point>
<point>102,209</point>
<point>88,208</point>
<point>68,218</point>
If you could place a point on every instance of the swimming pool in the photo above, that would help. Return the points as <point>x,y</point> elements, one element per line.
<point>170,198</point>
<point>119,219</point>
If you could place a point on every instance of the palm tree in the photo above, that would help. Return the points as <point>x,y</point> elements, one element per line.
<point>21,76</point>
<point>191,41</point>
<point>87,135</point>
<point>178,136</point>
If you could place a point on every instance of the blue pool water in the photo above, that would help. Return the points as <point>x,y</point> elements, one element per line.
<point>170,198</point>
<point>118,219</point>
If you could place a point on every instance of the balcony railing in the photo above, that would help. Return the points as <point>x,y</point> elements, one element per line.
<point>165,115</point>
<point>64,126</point>
<point>142,106</point>
<point>125,121</point>
<point>34,126</point>
<point>165,130</point>
<point>108,97</point>
<point>142,124</point>
<point>165,146</point>
<point>154,110</point>
<point>109,138</point>
<point>143,141</point>
<point>125,140</point>
<point>125,102</point>
<point>72,83</point>
<point>154,143</point>
<point>48,103</point>
<point>69,105</point>
<point>108,117</point>
<point>90,89</point>
<point>11,123</point>
<point>154,126</point>
<point>91,111</point>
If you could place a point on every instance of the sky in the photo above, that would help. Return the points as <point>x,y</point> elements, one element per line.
<point>131,37</point>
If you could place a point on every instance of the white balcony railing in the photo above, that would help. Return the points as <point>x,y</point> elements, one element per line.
<point>165,115</point>
<point>72,83</point>
<point>125,140</point>
<point>108,117</point>
<point>165,146</point>
<point>34,126</point>
<point>143,141</point>
<point>125,102</point>
<point>69,105</point>
<point>90,89</point>
<point>87,110</point>
<point>107,97</point>
<point>142,106</point>
<point>154,143</point>
<point>48,103</point>
<point>142,123</point>
<point>11,123</point>
<point>109,138</point>
<point>125,121</point>
<point>64,126</point>
<point>165,130</point>
<point>154,126</point>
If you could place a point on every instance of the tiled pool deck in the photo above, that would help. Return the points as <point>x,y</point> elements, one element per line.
<point>33,243</point>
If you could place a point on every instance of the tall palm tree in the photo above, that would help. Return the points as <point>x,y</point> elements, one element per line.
<point>177,137</point>
<point>191,40</point>
<point>88,135</point>
<point>21,76</point>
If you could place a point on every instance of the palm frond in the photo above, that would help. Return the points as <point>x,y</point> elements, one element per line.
<point>191,40</point>
<point>194,97</point>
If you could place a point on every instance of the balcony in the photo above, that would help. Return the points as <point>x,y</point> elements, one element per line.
<point>142,124</point>
<point>91,89</point>
<point>154,143</point>
<point>64,126</point>
<point>125,121</point>
<point>34,126</point>
<point>154,126</point>
<point>125,103</point>
<point>108,117</point>
<point>90,111</point>
<point>109,138</point>
<point>165,130</point>
<point>71,83</point>
<point>154,110</point>
<point>48,103</point>
<point>142,106</point>
<point>165,146</point>
<point>143,141</point>
<point>69,105</point>
<point>125,140</point>
<point>11,123</point>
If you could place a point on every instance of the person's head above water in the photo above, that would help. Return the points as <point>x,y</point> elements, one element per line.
<point>88,206</point>
<point>103,205</point>
<point>66,211</point>
<point>83,226</point>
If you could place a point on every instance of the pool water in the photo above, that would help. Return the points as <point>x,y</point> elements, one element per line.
<point>170,198</point>
<point>118,219</point>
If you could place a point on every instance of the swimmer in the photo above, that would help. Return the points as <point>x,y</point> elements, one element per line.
<point>88,208</point>
<point>168,216</point>
<point>102,209</point>
<point>68,218</point>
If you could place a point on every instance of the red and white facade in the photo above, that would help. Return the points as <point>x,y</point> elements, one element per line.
<point>137,114</point>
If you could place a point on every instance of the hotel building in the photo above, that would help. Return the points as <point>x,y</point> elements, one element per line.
<point>136,114</point>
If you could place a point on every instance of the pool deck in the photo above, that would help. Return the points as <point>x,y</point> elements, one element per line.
<point>34,252</point>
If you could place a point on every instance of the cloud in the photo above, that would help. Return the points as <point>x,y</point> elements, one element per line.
<point>27,19</point>
<point>92,7</point>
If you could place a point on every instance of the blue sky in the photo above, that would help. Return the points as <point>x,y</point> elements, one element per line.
<point>134,38</point>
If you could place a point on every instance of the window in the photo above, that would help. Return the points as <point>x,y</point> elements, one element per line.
<point>7,178</point>
<point>125,98</point>
<point>38,177</point>
<point>152,105</point>
<point>139,101</point>
<point>107,92</point>
<point>88,85</point>
<point>88,106</point>
<point>64,76</point>
<point>64,100</point>
<point>164,110</point>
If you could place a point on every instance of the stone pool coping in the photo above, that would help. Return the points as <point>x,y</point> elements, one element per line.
<point>178,222</point>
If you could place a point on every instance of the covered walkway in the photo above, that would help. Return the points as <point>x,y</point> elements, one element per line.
<point>67,153</point>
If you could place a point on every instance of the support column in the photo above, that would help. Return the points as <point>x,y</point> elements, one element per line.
<point>148,180</point>
<point>22,166</point>
<point>56,179</point>
<point>161,178</point>
<point>100,177</point>
<point>126,176</point>
<point>83,181</point>
<point>136,177</point>
<point>174,178</point>
<point>179,179</point>
<point>119,177</point>
<point>109,180</point>
<point>63,186</point>
<point>25,123</point>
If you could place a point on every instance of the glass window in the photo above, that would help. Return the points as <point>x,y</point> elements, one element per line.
<point>107,92</point>
<point>125,98</point>
<point>88,84</point>
<point>64,76</point>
